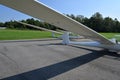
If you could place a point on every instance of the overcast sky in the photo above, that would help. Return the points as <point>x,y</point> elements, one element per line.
<point>86,8</point>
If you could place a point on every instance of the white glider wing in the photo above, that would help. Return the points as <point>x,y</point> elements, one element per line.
<point>37,27</point>
<point>41,11</point>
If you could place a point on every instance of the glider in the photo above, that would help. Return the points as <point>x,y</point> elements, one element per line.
<point>38,10</point>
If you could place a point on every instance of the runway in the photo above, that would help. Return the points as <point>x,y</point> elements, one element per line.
<point>50,60</point>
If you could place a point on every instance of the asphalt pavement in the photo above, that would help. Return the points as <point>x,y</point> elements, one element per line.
<point>50,60</point>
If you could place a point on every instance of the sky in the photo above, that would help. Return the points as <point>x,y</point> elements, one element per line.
<point>86,8</point>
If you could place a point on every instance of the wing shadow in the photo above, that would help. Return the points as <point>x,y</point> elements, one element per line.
<point>53,70</point>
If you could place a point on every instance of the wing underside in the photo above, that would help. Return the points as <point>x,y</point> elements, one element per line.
<point>41,11</point>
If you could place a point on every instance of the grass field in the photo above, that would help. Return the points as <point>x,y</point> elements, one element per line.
<point>23,34</point>
<point>112,35</point>
<point>31,34</point>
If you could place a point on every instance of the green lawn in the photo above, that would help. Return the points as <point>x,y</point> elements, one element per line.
<point>23,34</point>
<point>31,34</point>
<point>112,35</point>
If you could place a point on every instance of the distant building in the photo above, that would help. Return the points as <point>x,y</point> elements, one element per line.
<point>2,27</point>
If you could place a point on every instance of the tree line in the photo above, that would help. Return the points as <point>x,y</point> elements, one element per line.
<point>96,22</point>
<point>15,25</point>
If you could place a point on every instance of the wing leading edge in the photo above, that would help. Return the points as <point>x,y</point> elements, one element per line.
<point>41,11</point>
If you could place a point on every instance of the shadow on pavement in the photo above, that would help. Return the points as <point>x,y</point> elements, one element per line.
<point>107,54</point>
<point>51,71</point>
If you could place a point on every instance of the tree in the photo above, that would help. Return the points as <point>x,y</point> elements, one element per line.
<point>108,24</point>
<point>2,24</point>
<point>80,18</point>
<point>95,22</point>
<point>9,25</point>
<point>116,26</point>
